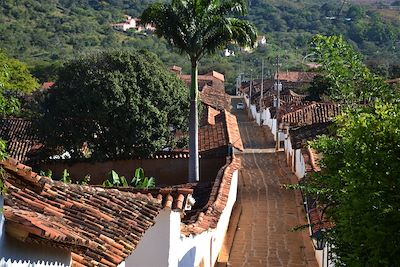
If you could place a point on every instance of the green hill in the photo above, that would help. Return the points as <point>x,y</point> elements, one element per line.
<point>54,30</point>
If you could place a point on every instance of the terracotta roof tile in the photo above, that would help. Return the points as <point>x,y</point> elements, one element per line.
<point>310,114</point>
<point>216,74</point>
<point>208,116</point>
<point>224,132</point>
<point>100,226</point>
<point>296,76</point>
<point>216,98</point>
<point>233,131</point>
<point>207,216</point>
<point>174,198</point>
<point>20,137</point>
<point>299,136</point>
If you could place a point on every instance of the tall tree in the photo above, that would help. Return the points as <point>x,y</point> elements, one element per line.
<point>360,184</point>
<point>117,104</point>
<point>349,79</point>
<point>14,78</point>
<point>197,28</point>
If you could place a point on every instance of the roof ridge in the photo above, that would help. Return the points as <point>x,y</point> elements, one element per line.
<point>234,139</point>
<point>209,218</point>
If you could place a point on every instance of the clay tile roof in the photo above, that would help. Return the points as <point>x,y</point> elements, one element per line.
<point>213,79</point>
<point>212,137</point>
<point>208,116</point>
<point>169,197</point>
<point>215,97</point>
<point>100,226</point>
<point>299,136</point>
<point>310,114</point>
<point>207,217</point>
<point>46,85</point>
<point>20,137</point>
<point>315,215</point>
<point>233,131</point>
<point>217,75</point>
<point>296,76</point>
<point>224,132</point>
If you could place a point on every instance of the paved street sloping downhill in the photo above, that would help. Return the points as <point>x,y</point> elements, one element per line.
<point>263,237</point>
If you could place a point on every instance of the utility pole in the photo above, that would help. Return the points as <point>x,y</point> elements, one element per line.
<point>278,104</point>
<point>251,89</point>
<point>262,91</point>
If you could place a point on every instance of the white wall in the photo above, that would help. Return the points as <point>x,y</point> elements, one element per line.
<point>163,245</point>
<point>153,249</point>
<point>299,163</point>
<point>253,111</point>
<point>192,250</point>
<point>15,253</point>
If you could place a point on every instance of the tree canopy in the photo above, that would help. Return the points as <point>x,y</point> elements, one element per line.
<point>360,184</point>
<point>14,79</point>
<point>18,77</point>
<point>114,104</point>
<point>347,77</point>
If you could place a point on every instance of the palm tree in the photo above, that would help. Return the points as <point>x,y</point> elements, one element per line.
<point>197,28</point>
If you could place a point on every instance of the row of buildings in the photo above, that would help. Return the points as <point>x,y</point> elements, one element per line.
<point>45,222</point>
<point>294,124</point>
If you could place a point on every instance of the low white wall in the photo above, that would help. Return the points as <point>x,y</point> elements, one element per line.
<point>154,247</point>
<point>299,163</point>
<point>267,118</point>
<point>204,248</point>
<point>14,253</point>
<point>253,111</point>
<point>289,152</point>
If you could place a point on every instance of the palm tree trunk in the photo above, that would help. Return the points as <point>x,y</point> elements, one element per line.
<point>193,127</point>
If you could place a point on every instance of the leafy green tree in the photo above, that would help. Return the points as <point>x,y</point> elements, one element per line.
<point>349,79</point>
<point>360,185</point>
<point>14,79</point>
<point>116,104</point>
<point>197,28</point>
<point>18,77</point>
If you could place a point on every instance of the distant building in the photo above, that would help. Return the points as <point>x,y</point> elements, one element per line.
<point>46,85</point>
<point>261,40</point>
<point>228,53</point>
<point>133,23</point>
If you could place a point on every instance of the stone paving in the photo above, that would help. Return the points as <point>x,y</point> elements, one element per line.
<point>268,211</point>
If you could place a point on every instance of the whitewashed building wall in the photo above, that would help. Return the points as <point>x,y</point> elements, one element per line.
<point>163,244</point>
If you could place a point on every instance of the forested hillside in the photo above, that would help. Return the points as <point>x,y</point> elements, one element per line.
<point>43,32</point>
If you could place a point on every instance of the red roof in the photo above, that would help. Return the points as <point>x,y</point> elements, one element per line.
<point>224,132</point>
<point>208,216</point>
<point>20,137</point>
<point>310,114</point>
<point>296,76</point>
<point>101,226</point>
<point>46,85</point>
<point>215,97</point>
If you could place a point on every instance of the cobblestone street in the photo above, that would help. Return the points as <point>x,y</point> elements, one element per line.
<point>268,211</point>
